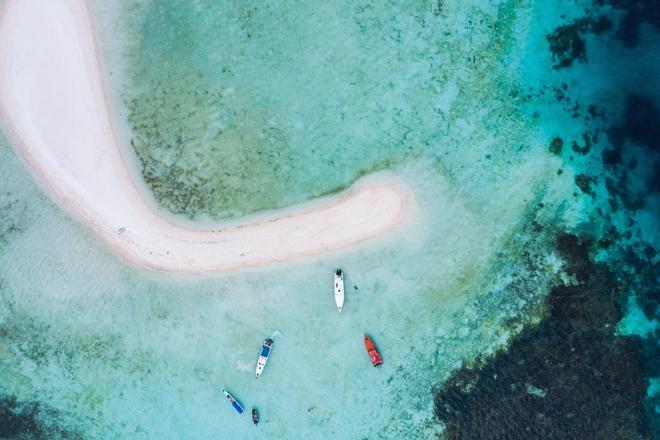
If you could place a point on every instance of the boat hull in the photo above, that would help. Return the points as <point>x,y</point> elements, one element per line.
<point>234,403</point>
<point>263,357</point>
<point>373,352</point>
<point>339,289</point>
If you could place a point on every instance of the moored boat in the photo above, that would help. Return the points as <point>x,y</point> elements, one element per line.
<point>339,289</point>
<point>263,356</point>
<point>237,406</point>
<point>255,416</point>
<point>373,351</point>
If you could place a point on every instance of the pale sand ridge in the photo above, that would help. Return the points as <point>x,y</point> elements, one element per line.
<point>53,106</point>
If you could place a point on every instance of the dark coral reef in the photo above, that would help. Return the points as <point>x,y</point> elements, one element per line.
<point>570,376</point>
<point>29,421</point>
<point>567,42</point>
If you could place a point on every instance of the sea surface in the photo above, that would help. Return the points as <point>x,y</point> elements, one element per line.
<point>524,303</point>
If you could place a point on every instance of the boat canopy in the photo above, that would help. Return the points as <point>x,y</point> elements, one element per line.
<point>265,350</point>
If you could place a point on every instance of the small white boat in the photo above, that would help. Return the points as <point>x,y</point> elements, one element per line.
<point>263,357</point>
<point>339,289</point>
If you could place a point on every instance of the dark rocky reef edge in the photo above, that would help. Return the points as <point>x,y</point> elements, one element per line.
<point>570,376</point>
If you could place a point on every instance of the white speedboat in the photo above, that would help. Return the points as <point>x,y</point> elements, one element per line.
<point>339,289</point>
<point>263,357</point>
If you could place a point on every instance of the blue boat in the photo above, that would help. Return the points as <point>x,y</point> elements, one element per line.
<point>237,406</point>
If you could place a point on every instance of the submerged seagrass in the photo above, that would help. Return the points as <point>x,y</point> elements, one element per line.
<point>233,112</point>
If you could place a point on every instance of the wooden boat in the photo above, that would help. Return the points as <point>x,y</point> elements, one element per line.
<point>339,289</point>
<point>373,351</point>
<point>237,406</point>
<point>255,416</point>
<point>263,357</point>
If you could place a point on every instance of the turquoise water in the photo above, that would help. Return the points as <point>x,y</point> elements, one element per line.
<point>114,350</point>
<point>236,107</point>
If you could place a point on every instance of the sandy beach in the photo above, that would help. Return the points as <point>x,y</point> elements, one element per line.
<point>54,108</point>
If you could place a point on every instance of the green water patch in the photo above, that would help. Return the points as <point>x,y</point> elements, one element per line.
<point>236,108</point>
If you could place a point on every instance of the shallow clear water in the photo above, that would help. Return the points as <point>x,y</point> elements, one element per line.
<point>241,107</point>
<point>235,107</point>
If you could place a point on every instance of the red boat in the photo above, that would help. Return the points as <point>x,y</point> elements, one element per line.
<point>373,351</point>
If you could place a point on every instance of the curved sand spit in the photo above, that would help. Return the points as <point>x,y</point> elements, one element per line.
<point>53,105</point>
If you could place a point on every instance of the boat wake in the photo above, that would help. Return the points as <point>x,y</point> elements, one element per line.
<point>275,334</point>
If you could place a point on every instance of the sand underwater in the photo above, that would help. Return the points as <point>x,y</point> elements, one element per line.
<point>524,304</point>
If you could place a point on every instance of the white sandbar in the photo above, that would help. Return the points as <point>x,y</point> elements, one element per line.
<point>53,105</point>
